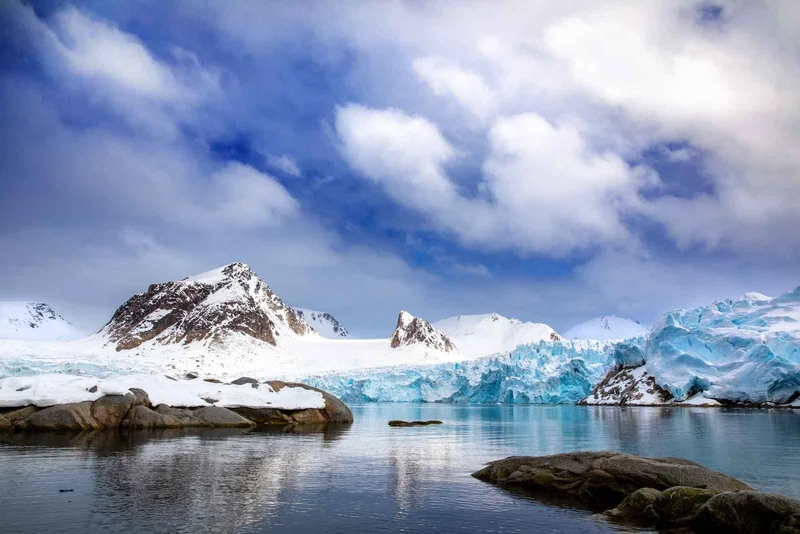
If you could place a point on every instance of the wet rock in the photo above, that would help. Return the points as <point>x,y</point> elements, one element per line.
<point>144,417</point>
<point>414,423</point>
<point>221,417</point>
<point>313,416</point>
<point>335,410</point>
<point>264,416</point>
<point>244,380</point>
<point>746,512</point>
<point>5,424</point>
<point>678,506</point>
<point>140,397</point>
<point>18,414</point>
<point>73,417</point>
<point>601,480</point>
<point>636,508</point>
<point>109,410</point>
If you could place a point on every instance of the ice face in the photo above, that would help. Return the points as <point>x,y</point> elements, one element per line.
<point>745,350</point>
<point>544,372</point>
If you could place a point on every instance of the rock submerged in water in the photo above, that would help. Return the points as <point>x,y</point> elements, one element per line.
<point>660,493</point>
<point>414,423</point>
<point>134,411</point>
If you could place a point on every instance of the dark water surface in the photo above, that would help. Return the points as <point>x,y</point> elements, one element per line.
<point>368,477</point>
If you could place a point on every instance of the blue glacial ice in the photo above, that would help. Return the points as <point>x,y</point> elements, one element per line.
<point>544,372</point>
<point>745,350</point>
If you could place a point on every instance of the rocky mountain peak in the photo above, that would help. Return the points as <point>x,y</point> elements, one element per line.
<point>206,307</point>
<point>415,330</point>
<point>33,320</point>
<point>323,323</point>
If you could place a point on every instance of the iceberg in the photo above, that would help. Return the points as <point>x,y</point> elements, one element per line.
<point>545,373</point>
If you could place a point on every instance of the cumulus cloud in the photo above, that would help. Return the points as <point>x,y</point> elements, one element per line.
<point>445,78</point>
<point>544,190</point>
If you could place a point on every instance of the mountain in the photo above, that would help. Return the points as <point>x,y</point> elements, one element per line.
<point>607,327</point>
<point>416,331</point>
<point>207,307</point>
<point>33,320</point>
<point>323,323</point>
<point>742,351</point>
<point>481,335</point>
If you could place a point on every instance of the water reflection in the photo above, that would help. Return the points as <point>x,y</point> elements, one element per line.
<point>365,477</point>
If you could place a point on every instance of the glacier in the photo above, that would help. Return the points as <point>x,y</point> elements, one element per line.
<point>745,350</point>
<point>542,373</point>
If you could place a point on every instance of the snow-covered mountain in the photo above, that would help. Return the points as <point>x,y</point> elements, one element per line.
<point>412,330</point>
<point>481,335</point>
<point>210,306</point>
<point>34,320</point>
<point>323,323</point>
<point>607,327</point>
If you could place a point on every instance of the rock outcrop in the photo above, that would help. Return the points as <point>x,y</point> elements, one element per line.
<point>416,331</point>
<point>660,493</point>
<point>399,423</point>
<point>134,411</point>
<point>205,307</point>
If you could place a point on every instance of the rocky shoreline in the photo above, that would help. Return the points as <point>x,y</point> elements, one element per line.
<point>660,493</point>
<point>134,410</point>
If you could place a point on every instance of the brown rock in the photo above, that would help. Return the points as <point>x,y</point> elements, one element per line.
<point>74,417</point>
<point>140,397</point>
<point>312,416</point>
<point>143,417</point>
<point>18,414</point>
<point>221,417</point>
<point>5,425</point>
<point>109,410</point>
<point>264,416</point>
<point>746,512</point>
<point>335,410</point>
<point>601,480</point>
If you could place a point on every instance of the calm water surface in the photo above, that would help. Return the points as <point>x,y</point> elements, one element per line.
<point>368,477</point>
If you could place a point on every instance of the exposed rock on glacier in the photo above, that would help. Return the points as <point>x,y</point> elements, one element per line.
<point>416,331</point>
<point>34,320</point>
<point>545,372</point>
<point>208,306</point>
<point>323,323</point>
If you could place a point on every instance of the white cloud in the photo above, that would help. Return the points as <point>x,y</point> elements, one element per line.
<point>245,197</point>
<point>284,163</point>
<point>544,189</point>
<point>445,78</point>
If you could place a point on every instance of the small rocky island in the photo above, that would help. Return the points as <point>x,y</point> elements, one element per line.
<point>660,493</point>
<point>161,402</point>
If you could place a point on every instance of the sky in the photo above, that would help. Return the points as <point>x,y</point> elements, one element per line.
<point>550,161</point>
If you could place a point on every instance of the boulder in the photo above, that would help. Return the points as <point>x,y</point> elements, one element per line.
<point>143,417</point>
<point>311,416</point>
<point>244,380</point>
<point>264,416</point>
<point>109,410</point>
<point>678,506</point>
<point>414,423</point>
<point>18,414</point>
<point>184,415</point>
<point>221,417</point>
<point>5,424</point>
<point>140,397</point>
<point>636,508</point>
<point>335,410</point>
<point>601,480</point>
<point>74,417</point>
<point>746,512</point>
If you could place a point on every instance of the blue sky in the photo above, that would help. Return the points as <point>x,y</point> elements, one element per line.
<point>551,163</point>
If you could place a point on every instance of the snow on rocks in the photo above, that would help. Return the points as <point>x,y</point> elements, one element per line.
<point>414,330</point>
<point>204,308</point>
<point>34,321</point>
<point>51,389</point>
<point>323,323</point>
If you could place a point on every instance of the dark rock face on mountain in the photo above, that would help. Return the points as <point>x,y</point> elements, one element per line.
<point>206,307</point>
<point>654,493</point>
<point>414,330</point>
<point>323,323</point>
